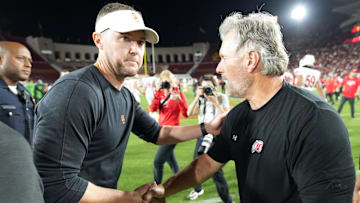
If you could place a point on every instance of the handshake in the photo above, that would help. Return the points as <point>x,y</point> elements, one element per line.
<point>151,193</point>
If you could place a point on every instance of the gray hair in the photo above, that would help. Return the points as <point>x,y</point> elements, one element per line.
<point>261,32</point>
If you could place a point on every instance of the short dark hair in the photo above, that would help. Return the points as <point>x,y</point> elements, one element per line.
<point>208,77</point>
<point>111,7</point>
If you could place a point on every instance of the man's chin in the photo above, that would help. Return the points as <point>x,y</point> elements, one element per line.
<point>24,78</point>
<point>132,71</point>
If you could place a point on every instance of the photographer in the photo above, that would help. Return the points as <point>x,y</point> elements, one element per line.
<point>170,102</point>
<point>208,104</point>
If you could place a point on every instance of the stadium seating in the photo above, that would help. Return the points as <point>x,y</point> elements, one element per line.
<point>209,63</point>
<point>180,68</point>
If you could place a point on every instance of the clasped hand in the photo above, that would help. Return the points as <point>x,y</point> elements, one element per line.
<point>151,193</point>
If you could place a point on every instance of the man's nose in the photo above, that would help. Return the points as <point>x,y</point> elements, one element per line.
<point>219,68</point>
<point>134,48</point>
<point>27,63</point>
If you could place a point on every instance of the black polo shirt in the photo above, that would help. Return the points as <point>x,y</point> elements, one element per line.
<point>294,149</point>
<point>17,111</point>
<point>82,127</point>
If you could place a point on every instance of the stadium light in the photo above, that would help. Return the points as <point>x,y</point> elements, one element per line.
<point>298,13</point>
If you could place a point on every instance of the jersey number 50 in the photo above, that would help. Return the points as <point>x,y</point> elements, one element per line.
<point>310,81</point>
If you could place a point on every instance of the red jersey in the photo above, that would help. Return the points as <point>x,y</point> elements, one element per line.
<point>170,111</point>
<point>330,85</point>
<point>350,86</point>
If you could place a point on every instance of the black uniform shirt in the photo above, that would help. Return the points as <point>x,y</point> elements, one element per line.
<point>293,149</point>
<point>17,111</point>
<point>82,127</point>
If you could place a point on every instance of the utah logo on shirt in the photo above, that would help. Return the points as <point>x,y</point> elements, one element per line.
<point>257,146</point>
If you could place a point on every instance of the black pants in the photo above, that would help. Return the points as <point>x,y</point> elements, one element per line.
<point>352,108</point>
<point>337,95</point>
<point>165,153</point>
<point>329,96</point>
<point>218,178</point>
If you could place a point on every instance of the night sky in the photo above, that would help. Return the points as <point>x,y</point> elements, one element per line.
<point>177,22</point>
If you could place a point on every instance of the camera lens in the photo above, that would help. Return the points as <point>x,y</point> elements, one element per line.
<point>208,90</point>
<point>165,85</point>
<point>205,144</point>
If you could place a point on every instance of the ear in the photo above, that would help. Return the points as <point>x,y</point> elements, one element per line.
<point>97,40</point>
<point>253,60</point>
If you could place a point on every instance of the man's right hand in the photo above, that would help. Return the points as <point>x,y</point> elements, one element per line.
<point>214,127</point>
<point>156,194</point>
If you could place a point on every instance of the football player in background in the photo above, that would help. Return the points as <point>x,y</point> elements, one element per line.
<point>307,77</point>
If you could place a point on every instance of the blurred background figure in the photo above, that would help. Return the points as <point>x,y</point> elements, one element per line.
<point>171,102</point>
<point>30,86</point>
<point>195,84</point>
<point>149,84</point>
<point>40,90</point>
<point>307,77</point>
<point>133,85</point>
<point>330,88</point>
<point>351,85</point>
<point>338,81</point>
<point>288,77</point>
<point>207,104</point>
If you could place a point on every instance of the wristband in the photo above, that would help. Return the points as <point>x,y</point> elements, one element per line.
<point>203,130</point>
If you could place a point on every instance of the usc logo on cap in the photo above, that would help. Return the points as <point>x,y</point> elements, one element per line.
<point>136,18</point>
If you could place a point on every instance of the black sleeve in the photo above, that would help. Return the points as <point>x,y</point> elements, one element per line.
<point>19,179</point>
<point>321,162</point>
<point>145,127</point>
<point>220,151</point>
<point>65,119</point>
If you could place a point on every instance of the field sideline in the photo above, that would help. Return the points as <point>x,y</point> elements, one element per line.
<point>138,162</point>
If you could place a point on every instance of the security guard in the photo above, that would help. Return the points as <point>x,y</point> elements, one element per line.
<point>16,104</point>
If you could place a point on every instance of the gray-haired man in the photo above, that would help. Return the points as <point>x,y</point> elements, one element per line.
<point>287,143</point>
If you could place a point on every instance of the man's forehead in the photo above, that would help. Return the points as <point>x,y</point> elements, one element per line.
<point>228,45</point>
<point>13,48</point>
<point>23,51</point>
<point>139,34</point>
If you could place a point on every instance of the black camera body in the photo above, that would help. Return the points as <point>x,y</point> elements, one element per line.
<point>208,90</point>
<point>165,85</point>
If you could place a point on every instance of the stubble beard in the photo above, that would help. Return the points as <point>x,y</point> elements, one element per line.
<point>123,71</point>
<point>238,90</point>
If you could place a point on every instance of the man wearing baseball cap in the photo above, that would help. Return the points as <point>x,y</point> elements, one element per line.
<point>351,85</point>
<point>83,123</point>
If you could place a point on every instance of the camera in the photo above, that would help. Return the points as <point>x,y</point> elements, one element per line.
<point>208,90</point>
<point>205,144</point>
<point>165,85</point>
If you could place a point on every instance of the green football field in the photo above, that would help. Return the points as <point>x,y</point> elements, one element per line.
<point>138,163</point>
